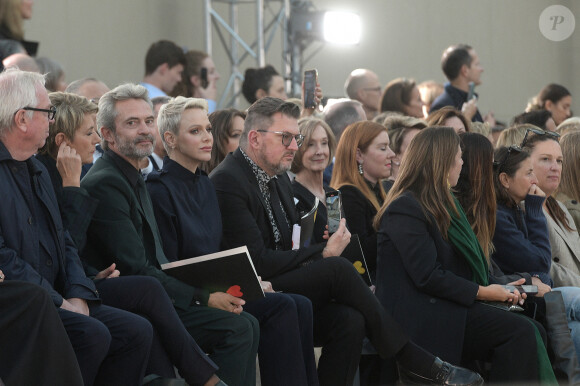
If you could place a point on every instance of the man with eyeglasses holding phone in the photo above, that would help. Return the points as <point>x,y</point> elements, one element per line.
<point>257,208</point>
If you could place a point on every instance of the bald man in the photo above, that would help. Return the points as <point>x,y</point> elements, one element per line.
<point>363,85</point>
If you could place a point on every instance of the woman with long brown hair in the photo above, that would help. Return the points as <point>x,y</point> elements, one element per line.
<point>430,263</point>
<point>227,126</point>
<point>363,160</point>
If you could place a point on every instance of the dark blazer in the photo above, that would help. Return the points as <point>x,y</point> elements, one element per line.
<point>120,231</point>
<point>360,213</point>
<point>453,97</point>
<point>245,219</point>
<point>425,284</point>
<point>20,256</point>
<point>76,205</point>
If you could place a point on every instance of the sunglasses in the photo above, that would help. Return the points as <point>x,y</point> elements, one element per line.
<point>511,150</point>
<point>550,134</point>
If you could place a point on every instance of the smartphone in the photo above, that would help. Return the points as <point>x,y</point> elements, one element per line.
<point>334,210</point>
<point>528,289</point>
<point>471,92</point>
<point>204,81</point>
<point>310,81</point>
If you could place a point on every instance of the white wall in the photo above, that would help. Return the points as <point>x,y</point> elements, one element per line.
<point>108,39</point>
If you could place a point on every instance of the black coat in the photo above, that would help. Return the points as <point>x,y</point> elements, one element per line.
<point>20,234</point>
<point>245,219</point>
<point>425,284</point>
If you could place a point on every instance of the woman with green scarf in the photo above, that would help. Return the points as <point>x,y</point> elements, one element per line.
<point>433,275</point>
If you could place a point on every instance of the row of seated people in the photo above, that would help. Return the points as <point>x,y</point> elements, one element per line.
<point>123,231</point>
<point>112,222</point>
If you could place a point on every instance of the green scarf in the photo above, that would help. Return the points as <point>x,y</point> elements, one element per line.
<point>463,239</point>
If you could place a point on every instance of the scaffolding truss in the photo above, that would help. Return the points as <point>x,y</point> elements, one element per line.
<point>238,47</point>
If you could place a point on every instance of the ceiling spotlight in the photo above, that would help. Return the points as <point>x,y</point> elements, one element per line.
<point>342,27</point>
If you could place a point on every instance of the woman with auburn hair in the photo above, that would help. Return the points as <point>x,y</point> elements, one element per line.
<point>363,160</point>
<point>402,95</point>
<point>309,163</point>
<point>227,127</point>
<point>450,117</point>
<point>431,263</point>
<point>569,190</point>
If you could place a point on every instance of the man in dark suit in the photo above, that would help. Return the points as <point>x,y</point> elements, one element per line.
<point>124,231</point>
<point>258,210</point>
<point>111,345</point>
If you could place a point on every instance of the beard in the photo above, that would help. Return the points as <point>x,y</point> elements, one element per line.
<point>129,148</point>
<point>275,168</point>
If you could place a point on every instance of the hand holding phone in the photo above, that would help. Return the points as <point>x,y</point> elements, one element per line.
<point>471,92</point>
<point>203,76</point>
<point>310,82</point>
<point>523,289</point>
<point>334,210</point>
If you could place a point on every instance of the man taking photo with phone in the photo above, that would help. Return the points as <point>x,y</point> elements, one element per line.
<point>257,207</point>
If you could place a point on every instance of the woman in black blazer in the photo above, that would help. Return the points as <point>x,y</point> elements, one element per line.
<point>363,160</point>
<point>431,269</point>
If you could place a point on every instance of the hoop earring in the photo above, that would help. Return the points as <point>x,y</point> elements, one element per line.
<point>360,169</point>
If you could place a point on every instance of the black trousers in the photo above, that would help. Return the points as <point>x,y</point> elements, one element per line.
<point>231,341</point>
<point>345,310</point>
<point>111,345</point>
<point>286,349</point>
<point>172,344</point>
<point>505,339</point>
<point>34,347</point>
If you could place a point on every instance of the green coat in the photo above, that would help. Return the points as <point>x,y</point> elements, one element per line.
<point>123,231</point>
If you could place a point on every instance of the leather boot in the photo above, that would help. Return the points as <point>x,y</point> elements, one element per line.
<point>565,358</point>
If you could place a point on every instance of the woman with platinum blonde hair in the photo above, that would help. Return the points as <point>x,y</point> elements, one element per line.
<point>188,215</point>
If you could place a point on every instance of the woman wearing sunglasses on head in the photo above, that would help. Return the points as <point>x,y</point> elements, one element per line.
<point>521,238</point>
<point>430,265</point>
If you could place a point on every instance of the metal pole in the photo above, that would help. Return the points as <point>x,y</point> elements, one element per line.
<point>260,33</point>
<point>207,25</point>
<point>234,49</point>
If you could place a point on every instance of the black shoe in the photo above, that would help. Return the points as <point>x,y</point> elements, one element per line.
<point>442,373</point>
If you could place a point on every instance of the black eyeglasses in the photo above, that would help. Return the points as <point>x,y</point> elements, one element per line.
<point>51,112</point>
<point>511,149</point>
<point>551,134</point>
<point>287,137</point>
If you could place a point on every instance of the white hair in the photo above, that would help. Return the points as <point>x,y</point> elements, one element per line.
<point>17,90</point>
